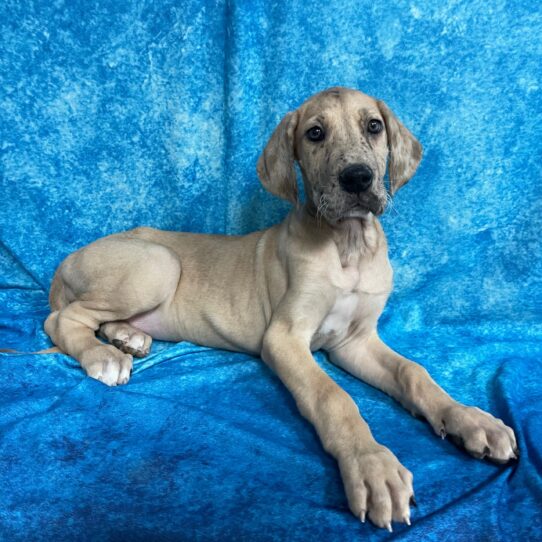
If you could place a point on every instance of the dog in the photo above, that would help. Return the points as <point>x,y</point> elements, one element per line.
<point>318,280</point>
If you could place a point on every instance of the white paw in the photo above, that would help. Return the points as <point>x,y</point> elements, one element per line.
<point>107,364</point>
<point>480,433</point>
<point>377,486</point>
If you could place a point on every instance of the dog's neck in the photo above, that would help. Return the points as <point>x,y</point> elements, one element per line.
<point>355,238</point>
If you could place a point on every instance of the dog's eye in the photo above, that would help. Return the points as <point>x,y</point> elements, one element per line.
<point>375,126</point>
<point>316,133</point>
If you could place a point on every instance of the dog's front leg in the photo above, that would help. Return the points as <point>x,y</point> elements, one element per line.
<point>375,482</point>
<point>479,432</point>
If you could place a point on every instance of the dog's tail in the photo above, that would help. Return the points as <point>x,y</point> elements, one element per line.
<point>52,350</point>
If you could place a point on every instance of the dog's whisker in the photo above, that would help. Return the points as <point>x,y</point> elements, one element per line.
<point>322,207</point>
<point>390,204</point>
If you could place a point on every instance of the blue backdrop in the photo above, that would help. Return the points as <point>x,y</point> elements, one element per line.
<point>116,114</point>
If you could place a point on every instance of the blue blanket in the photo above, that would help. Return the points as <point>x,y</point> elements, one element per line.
<point>115,114</point>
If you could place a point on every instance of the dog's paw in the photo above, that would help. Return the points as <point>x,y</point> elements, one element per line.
<point>127,338</point>
<point>136,343</point>
<point>480,433</point>
<point>107,364</point>
<point>377,486</point>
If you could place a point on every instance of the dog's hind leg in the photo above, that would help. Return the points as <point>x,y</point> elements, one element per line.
<point>73,330</point>
<point>102,285</point>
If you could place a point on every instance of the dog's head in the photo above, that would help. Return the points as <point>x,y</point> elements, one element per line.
<point>342,140</point>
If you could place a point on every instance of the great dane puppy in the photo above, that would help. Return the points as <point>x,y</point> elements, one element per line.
<point>320,279</point>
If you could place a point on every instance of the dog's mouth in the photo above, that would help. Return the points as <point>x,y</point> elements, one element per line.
<point>356,212</point>
<point>362,210</point>
<point>352,206</point>
<point>359,211</point>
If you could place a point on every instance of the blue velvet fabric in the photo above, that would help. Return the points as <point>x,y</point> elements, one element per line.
<point>116,114</point>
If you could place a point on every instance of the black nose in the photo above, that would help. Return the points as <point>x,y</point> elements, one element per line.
<point>356,178</point>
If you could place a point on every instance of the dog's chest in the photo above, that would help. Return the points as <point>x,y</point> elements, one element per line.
<point>341,314</point>
<point>358,304</point>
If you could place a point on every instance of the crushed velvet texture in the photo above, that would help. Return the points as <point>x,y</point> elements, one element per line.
<point>116,114</point>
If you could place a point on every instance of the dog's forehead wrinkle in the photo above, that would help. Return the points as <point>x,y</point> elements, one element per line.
<point>334,91</point>
<point>367,113</point>
<point>320,119</point>
<point>320,106</point>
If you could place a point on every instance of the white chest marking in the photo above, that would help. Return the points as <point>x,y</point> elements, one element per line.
<point>341,314</point>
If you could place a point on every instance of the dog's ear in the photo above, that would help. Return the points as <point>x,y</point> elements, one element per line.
<point>276,163</point>
<point>405,149</point>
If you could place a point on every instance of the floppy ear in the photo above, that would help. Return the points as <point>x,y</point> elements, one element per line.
<point>405,149</point>
<point>276,163</point>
